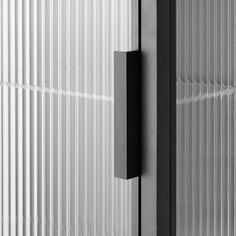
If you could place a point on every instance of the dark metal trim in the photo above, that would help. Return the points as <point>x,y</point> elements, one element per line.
<point>166,118</point>
<point>173,116</point>
<point>158,181</point>
<point>163,117</point>
<point>149,118</point>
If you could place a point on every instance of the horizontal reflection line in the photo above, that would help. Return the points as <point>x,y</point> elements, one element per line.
<point>206,96</point>
<point>58,92</point>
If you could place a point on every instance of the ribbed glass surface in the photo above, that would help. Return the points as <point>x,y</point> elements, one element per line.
<point>56,118</point>
<point>206,117</point>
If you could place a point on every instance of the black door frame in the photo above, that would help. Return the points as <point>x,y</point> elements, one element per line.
<point>158,180</point>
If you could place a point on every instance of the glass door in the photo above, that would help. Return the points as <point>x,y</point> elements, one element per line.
<point>206,117</point>
<point>56,118</point>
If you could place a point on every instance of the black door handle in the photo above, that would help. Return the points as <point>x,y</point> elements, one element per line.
<point>127,105</point>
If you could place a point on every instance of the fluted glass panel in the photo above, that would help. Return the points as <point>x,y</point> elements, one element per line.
<point>206,117</point>
<point>56,118</point>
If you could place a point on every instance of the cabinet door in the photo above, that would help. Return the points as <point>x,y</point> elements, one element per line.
<point>206,117</point>
<point>56,118</point>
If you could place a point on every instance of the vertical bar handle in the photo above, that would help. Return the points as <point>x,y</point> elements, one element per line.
<point>127,108</point>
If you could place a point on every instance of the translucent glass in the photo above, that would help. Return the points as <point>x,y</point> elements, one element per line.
<point>206,117</point>
<point>56,118</point>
